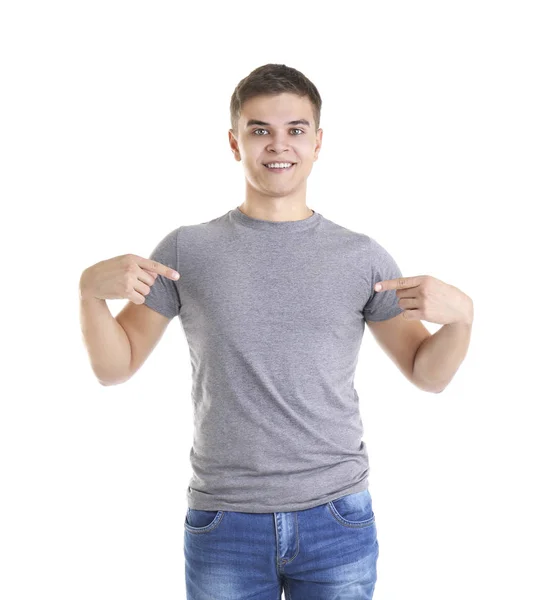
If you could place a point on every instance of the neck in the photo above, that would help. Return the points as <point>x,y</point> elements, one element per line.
<point>276,211</point>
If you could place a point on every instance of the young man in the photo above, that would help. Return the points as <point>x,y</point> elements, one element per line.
<point>273,298</point>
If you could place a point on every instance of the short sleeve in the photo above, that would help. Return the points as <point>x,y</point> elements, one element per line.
<point>163,296</point>
<point>382,305</point>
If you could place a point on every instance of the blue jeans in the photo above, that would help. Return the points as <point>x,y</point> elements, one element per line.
<point>323,553</point>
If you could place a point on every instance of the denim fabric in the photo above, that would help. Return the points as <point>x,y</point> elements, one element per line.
<point>323,553</point>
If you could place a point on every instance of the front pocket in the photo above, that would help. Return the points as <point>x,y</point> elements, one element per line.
<point>353,510</point>
<point>202,521</point>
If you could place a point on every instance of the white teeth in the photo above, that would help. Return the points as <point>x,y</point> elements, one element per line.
<point>279,165</point>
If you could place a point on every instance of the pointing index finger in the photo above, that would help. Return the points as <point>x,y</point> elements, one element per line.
<point>396,284</point>
<point>152,265</point>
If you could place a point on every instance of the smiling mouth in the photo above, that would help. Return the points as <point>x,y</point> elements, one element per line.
<point>279,168</point>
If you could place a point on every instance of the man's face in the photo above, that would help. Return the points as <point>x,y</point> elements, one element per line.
<point>278,141</point>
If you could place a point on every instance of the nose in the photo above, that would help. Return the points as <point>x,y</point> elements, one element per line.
<point>277,144</point>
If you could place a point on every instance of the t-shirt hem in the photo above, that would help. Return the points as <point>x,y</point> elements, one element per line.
<point>234,507</point>
<point>396,310</point>
<point>162,311</point>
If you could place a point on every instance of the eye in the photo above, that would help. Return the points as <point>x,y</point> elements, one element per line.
<point>294,129</point>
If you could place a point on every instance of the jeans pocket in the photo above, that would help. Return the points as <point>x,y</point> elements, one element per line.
<point>202,521</point>
<point>353,510</point>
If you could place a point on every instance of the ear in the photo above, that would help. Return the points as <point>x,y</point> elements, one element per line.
<point>318,147</point>
<point>233,143</point>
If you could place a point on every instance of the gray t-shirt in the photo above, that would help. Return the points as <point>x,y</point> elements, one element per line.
<point>274,315</point>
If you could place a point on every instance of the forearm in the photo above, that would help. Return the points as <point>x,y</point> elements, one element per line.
<point>106,341</point>
<point>440,355</point>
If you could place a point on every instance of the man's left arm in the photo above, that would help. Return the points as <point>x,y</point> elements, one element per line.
<point>428,299</point>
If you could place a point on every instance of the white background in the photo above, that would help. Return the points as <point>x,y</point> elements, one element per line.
<point>440,142</point>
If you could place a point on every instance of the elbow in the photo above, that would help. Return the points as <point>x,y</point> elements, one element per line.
<point>429,389</point>
<point>440,389</point>
<point>435,391</point>
<point>114,382</point>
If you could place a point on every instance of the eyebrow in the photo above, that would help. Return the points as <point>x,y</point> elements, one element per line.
<point>297,122</point>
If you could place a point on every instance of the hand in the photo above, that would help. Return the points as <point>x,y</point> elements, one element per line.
<point>128,276</point>
<point>426,298</point>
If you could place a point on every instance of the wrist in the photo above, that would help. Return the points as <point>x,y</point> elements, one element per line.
<point>84,287</point>
<point>468,313</point>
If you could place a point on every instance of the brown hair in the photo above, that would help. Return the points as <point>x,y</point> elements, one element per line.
<point>270,80</point>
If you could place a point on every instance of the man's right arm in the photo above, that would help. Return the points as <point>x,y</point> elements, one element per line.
<point>107,343</point>
<point>118,347</point>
